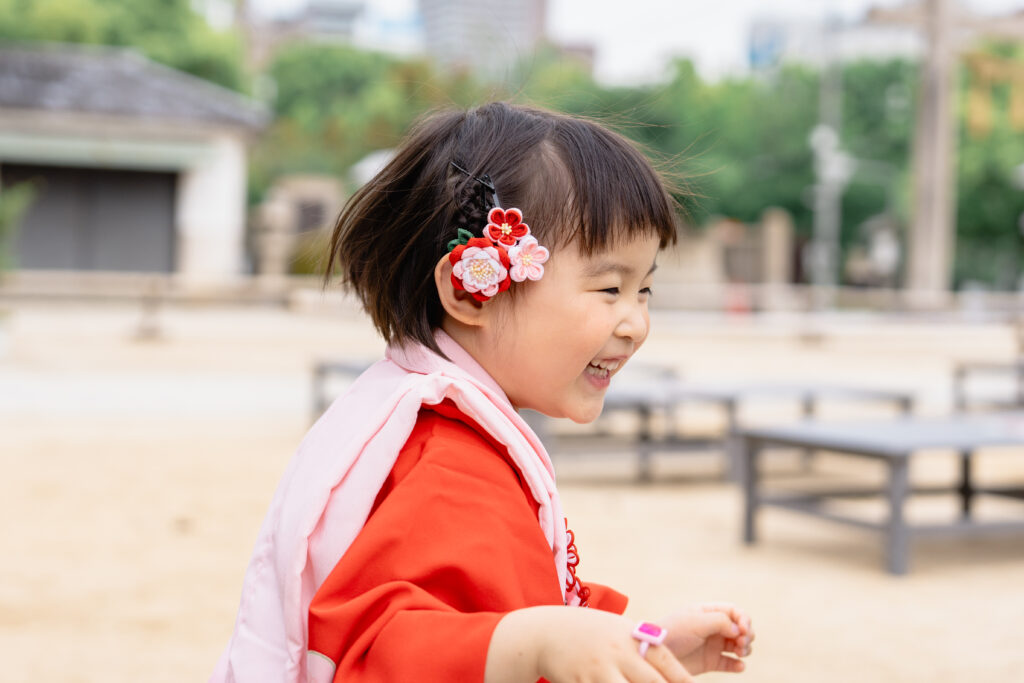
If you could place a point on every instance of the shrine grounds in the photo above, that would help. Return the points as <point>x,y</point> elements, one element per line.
<point>137,469</point>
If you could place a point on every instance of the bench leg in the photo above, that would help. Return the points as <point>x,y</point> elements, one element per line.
<point>966,485</point>
<point>808,407</point>
<point>905,406</point>
<point>960,390</point>
<point>747,451</point>
<point>731,444</point>
<point>644,445</point>
<point>897,535</point>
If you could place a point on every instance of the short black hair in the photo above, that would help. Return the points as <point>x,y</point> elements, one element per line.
<point>575,181</point>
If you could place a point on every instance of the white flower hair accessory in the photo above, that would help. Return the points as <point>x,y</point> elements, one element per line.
<point>507,252</point>
<point>481,269</point>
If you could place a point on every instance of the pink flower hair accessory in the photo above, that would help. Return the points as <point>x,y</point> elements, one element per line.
<point>528,259</point>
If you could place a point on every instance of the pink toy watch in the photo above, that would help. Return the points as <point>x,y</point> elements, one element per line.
<point>649,634</point>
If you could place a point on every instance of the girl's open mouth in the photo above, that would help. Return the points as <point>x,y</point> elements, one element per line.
<point>603,369</point>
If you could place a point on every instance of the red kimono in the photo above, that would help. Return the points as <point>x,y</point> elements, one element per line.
<point>451,546</point>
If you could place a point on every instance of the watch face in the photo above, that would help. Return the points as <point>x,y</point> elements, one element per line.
<point>649,632</point>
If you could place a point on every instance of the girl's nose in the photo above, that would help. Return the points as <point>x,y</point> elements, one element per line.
<point>634,324</point>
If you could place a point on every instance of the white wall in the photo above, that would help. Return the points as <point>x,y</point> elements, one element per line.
<point>210,213</point>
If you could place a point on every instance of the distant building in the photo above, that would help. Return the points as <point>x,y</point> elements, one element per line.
<point>137,167</point>
<point>773,42</point>
<point>486,36</point>
<point>321,21</point>
<point>395,29</point>
<point>332,19</point>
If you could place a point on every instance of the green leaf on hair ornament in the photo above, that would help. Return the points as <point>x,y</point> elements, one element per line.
<point>464,237</point>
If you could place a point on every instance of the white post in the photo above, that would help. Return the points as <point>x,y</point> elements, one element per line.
<point>933,230</point>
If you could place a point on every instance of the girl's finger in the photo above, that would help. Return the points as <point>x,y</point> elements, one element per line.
<point>729,665</point>
<point>727,607</point>
<point>717,623</point>
<point>734,613</point>
<point>738,645</point>
<point>741,618</point>
<point>665,664</point>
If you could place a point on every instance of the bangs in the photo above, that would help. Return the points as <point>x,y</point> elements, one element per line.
<point>598,189</point>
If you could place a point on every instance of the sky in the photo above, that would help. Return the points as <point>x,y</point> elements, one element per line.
<point>636,38</point>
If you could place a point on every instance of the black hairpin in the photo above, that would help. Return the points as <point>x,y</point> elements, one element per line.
<point>485,181</point>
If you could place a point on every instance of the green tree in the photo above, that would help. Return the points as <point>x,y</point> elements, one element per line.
<point>989,208</point>
<point>990,201</point>
<point>877,128</point>
<point>335,104</point>
<point>167,31</point>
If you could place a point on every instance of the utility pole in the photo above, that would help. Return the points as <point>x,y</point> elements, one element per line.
<point>832,170</point>
<point>933,232</point>
<point>947,27</point>
<point>243,24</point>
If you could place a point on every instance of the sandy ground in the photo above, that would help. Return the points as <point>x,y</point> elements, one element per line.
<point>136,474</point>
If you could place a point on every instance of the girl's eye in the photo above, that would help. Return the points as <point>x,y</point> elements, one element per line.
<point>614,291</point>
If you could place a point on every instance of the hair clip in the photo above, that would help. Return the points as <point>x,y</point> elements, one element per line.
<point>485,181</point>
<point>507,253</point>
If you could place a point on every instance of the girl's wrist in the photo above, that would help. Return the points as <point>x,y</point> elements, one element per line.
<point>515,650</point>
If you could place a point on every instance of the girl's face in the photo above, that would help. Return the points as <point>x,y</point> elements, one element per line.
<point>560,339</point>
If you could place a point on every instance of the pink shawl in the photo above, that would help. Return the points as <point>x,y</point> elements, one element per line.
<point>326,494</point>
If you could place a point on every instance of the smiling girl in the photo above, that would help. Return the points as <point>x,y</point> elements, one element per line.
<point>506,256</point>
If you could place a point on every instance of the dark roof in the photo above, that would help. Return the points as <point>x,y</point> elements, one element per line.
<point>105,80</point>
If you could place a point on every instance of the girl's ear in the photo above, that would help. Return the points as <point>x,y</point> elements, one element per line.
<point>458,304</point>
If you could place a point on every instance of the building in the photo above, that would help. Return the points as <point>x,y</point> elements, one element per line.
<point>486,36</point>
<point>136,167</point>
<point>773,42</point>
<point>332,19</point>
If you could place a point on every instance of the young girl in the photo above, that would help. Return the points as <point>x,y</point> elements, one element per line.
<point>506,256</point>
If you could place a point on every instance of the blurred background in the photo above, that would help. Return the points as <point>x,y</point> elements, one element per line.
<point>852,174</point>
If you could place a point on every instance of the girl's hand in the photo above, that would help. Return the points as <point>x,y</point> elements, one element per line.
<point>591,645</point>
<point>710,637</point>
<point>575,645</point>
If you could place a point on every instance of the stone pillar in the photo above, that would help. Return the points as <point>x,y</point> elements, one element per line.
<point>776,246</point>
<point>275,239</point>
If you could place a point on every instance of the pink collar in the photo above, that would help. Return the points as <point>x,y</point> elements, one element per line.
<point>420,359</point>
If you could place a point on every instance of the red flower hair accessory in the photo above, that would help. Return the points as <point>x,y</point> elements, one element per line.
<point>506,227</point>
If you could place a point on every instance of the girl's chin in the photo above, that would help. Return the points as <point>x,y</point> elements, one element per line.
<point>587,412</point>
<point>582,408</point>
